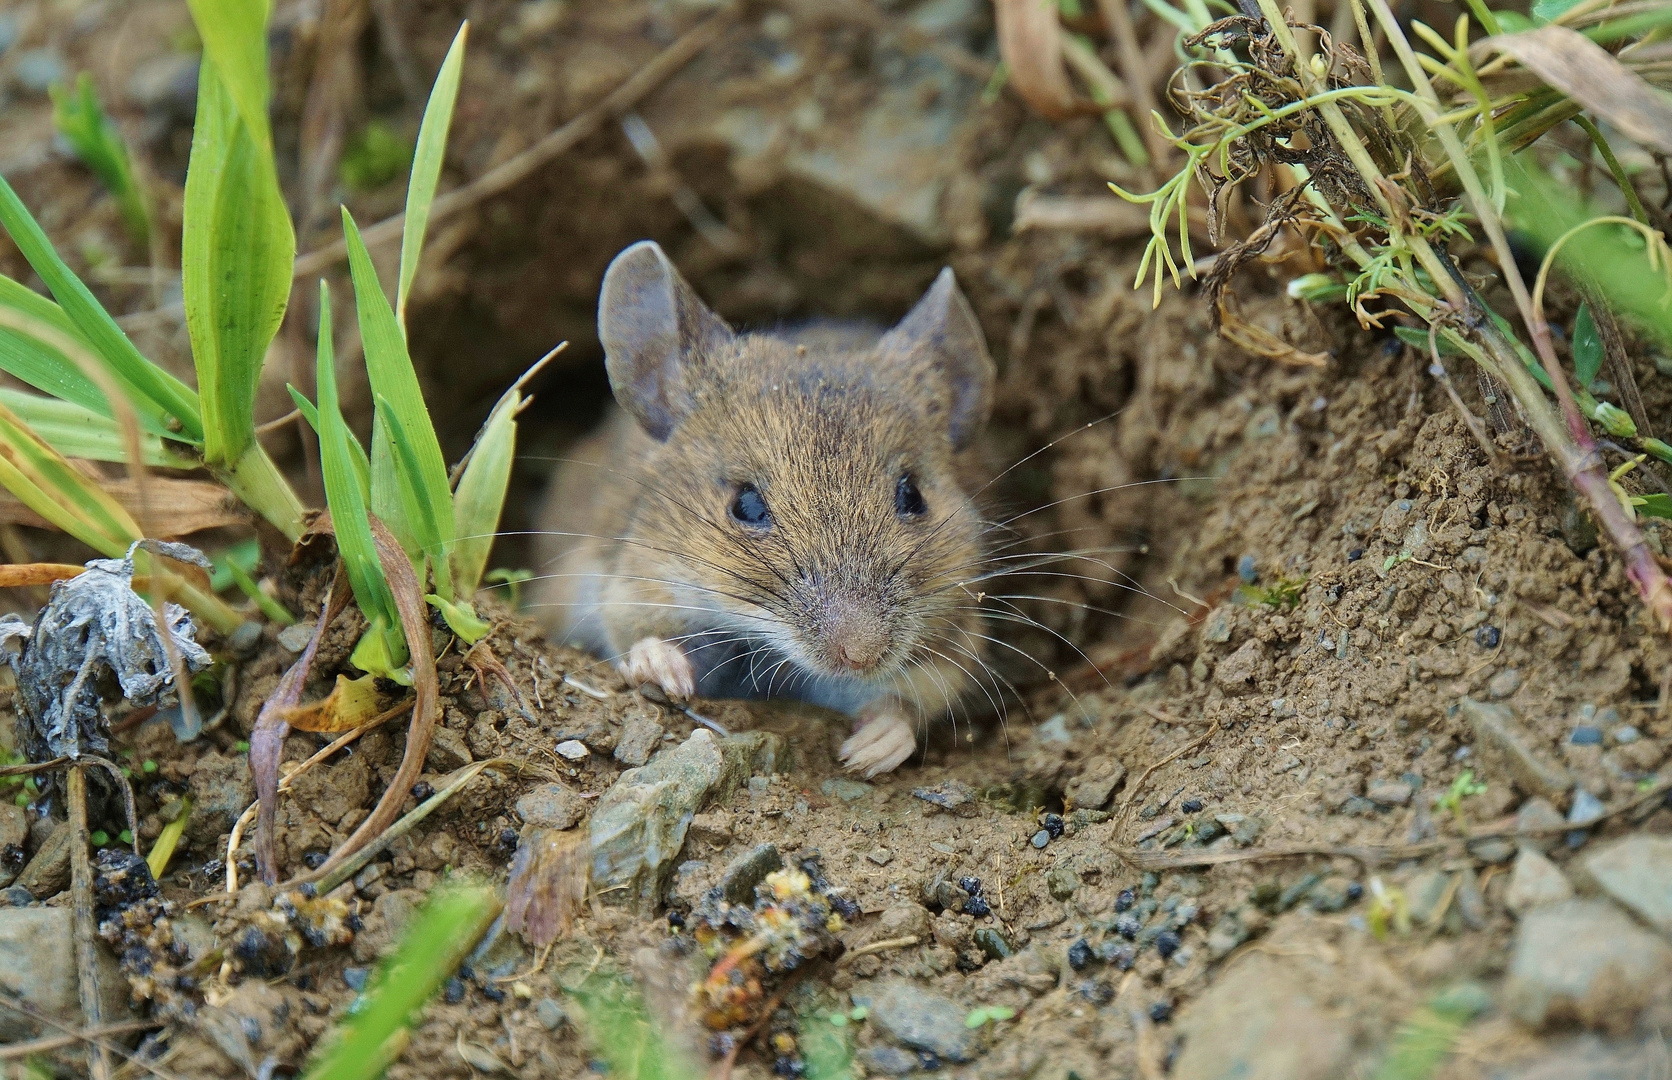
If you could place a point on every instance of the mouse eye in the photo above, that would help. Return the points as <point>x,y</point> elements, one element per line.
<point>908,501</point>
<point>749,508</point>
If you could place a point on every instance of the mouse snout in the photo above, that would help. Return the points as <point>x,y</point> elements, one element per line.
<point>855,633</point>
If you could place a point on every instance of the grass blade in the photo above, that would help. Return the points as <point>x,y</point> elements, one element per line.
<point>153,392</point>
<point>419,512</point>
<point>439,939</point>
<point>346,498</point>
<point>76,431</point>
<point>426,167</point>
<point>481,494</point>
<point>236,255</point>
<point>234,34</point>
<point>389,369</point>
<point>25,356</point>
<point>79,117</point>
<point>49,485</point>
<point>310,413</point>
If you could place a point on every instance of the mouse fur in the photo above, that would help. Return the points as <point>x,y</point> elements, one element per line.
<point>771,516</point>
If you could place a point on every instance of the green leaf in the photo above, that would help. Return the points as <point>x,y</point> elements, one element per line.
<point>383,649</point>
<point>426,166</point>
<point>1656,505</point>
<point>82,121</point>
<point>389,369</point>
<point>1418,339</point>
<point>79,432</point>
<point>24,356</point>
<point>246,553</point>
<point>275,611</point>
<point>362,467</point>
<point>236,256</point>
<point>420,515</point>
<point>480,497</point>
<point>234,34</point>
<point>49,485</point>
<point>1545,11</point>
<point>461,618</point>
<point>1587,347</point>
<point>152,391</point>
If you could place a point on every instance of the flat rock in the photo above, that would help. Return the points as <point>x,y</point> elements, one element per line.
<point>639,739</point>
<point>37,965</point>
<point>1637,872</point>
<point>921,1019</point>
<point>1389,793</point>
<point>1260,1021</point>
<point>551,806</point>
<point>1538,815</point>
<point>639,826</point>
<point>742,874</point>
<point>1092,789</point>
<point>1584,961</point>
<point>1504,743</point>
<point>1535,881</point>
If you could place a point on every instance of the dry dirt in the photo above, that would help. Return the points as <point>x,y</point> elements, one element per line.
<point>1216,777</point>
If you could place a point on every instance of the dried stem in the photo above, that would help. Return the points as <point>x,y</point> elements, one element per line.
<point>84,927</point>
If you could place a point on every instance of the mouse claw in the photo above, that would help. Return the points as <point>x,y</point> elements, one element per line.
<point>661,663</point>
<point>881,745</point>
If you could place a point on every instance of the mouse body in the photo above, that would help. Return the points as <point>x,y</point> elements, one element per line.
<point>772,515</point>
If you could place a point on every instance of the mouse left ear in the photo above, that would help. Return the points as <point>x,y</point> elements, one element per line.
<point>939,343</point>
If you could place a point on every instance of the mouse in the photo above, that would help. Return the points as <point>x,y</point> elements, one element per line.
<point>778,514</point>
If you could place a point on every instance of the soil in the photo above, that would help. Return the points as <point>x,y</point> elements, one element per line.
<point>1231,726</point>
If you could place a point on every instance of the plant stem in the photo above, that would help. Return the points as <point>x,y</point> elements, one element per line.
<point>1627,188</point>
<point>82,926</point>
<point>257,481</point>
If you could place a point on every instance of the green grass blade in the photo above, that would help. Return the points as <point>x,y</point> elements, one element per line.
<point>438,941</point>
<point>82,121</point>
<point>389,369</point>
<point>344,494</point>
<point>426,167</point>
<point>234,34</point>
<point>76,431</point>
<point>481,494</point>
<point>310,413</point>
<point>236,256</point>
<point>151,390</point>
<point>26,357</point>
<point>419,513</point>
<point>49,485</point>
<point>1587,347</point>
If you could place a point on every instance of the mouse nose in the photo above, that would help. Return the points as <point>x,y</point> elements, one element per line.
<point>857,634</point>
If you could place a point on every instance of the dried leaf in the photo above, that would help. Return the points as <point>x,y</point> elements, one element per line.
<point>171,507</point>
<point>1262,342</point>
<point>1030,40</point>
<point>1590,75</point>
<point>1078,213</point>
<point>352,702</point>
<point>548,884</point>
<point>94,629</point>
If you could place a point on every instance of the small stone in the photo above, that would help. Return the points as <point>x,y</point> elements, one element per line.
<point>640,738</point>
<point>1124,901</point>
<point>1235,674</point>
<point>1505,683</point>
<point>880,856</point>
<point>1092,789</point>
<point>920,1019</point>
<point>1054,732</point>
<point>1585,735</point>
<point>448,751</point>
<point>742,874</point>
<point>1040,839</point>
<point>1540,817</point>
<point>1624,735</point>
<point>551,806</point>
<point>573,750</point>
<point>1586,809</point>
<point>1424,893</point>
<point>295,638</point>
<point>1062,881</point>
<point>1534,882</point>
<point>1584,961</point>
<point>1502,740</point>
<point>953,796</point>
<point>838,787</point>
<point>1636,871</point>
<point>1166,943</point>
<point>549,1013</point>
<point>1247,570</point>
<point>888,1060</point>
<point>993,944</point>
<point>1492,849</point>
<point>16,896</point>
<point>356,977</point>
<point>1488,636</point>
<point>1389,793</point>
<point>1191,806</point>
<point>1079,955</point>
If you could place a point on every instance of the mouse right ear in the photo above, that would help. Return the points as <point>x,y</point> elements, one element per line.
<point>653,326</point>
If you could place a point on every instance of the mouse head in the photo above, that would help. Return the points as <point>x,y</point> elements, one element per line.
<point>815,491</point>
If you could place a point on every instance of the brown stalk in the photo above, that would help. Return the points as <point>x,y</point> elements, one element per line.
<point>84,927</point>
<point>1139,77</point>
<point>1030,40</point>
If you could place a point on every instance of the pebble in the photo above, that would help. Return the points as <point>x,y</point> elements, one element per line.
<point>551,806</point>
<point>573,750</point>
<point>888,1060</point>
<point>1259,1021</point>
<point>38,69</point>
<point>640,737</point>
<point>1534,882</point>
<point>1423,895</point>
<point>1040,839</point>
<point>1492,849</point>
<point>1505,683</point>
<point>1637,872</point>
<point>549,1013</point>
<point>1586,809</point>
<point>880,856</point>
<point>1389,793</point>
<point>1537,814</point>
<point>1062,882</point>
<point>1585,735</point>
<point>37,966</point>
<point>356,977</point>
<point>1584,961</point>
<point>294,638</point>
<point>1488,636</point>
<point>920,1019</point>
<point>1624,735</point>
<point>742,874</point>
<point>847,790</point>
<point>1248,570</point>
<point>1502,740</point>
<point>1079,955</point>
<point>953,796</point>
<point>1092,789</point>
<point>994,944</point>
<point>16,896</point>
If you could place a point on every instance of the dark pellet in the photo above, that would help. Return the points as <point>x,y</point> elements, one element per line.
<point>1161,1012</point>
<point>422,790</point>
<point>971,885</point>
<point>1488,636</point>
<point>1190,806</point>
<point>1079,955</point>
<point>1125,900</point>
<point>1166,943</point>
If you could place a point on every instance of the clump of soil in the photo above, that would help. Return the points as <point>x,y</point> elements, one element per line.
<point>1217,826</point>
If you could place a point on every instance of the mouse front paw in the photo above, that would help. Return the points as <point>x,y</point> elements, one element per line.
<point>882,744</point>
<point>662,663</point>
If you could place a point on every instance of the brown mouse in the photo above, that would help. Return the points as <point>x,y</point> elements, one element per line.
<point>768,517</point>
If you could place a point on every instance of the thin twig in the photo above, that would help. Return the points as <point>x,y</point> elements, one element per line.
<point>86,945</point>
<point>876,947</point>
<point>47,1044</point>
<point>616,104</point>
<point>11,1001</point>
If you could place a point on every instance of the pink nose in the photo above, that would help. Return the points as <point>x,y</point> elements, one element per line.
<point>857,635</point>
